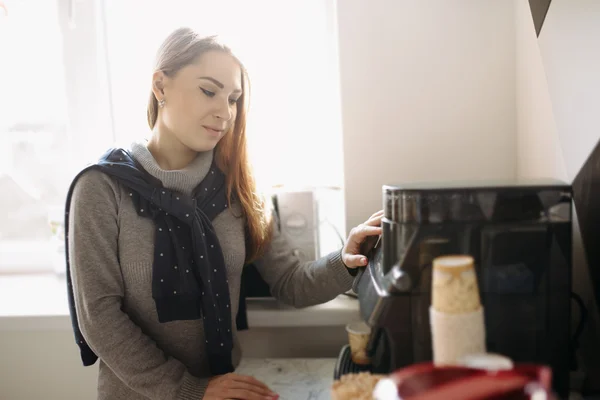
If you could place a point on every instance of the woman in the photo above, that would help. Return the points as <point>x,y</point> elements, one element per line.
<point>158,235</point>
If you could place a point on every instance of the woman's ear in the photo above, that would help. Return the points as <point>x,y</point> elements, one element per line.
<point>158,85</point>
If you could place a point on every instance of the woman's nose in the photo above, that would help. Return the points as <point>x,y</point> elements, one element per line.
<point>224,111</point>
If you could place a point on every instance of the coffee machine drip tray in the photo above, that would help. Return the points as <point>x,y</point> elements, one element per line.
<point>345,365</point>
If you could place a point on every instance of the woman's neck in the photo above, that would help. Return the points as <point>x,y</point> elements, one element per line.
<point>183,180</point>
<point>168,151</point>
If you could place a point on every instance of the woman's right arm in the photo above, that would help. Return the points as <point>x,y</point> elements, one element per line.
<point>98,292</point>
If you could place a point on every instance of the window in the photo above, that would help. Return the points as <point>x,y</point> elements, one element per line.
<point>79,78</point>
<point>34,132</point>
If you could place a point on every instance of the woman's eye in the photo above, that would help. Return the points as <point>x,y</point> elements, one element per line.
<point>207,92</point>
<point>233,101</point>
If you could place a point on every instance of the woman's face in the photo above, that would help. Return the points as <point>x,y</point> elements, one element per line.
<point>201,100</point>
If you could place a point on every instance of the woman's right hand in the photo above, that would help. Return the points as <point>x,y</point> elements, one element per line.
<point>241,387</point>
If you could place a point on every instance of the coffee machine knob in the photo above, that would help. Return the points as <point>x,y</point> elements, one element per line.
<point>398,280</point>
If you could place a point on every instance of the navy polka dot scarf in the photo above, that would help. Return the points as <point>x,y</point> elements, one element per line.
<point>189,280</point>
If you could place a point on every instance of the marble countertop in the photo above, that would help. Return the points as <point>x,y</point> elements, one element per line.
<point>293,378</point>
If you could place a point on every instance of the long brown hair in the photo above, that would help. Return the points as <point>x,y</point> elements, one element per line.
<point>183,47</point>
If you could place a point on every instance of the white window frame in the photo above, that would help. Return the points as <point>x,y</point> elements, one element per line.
<point>89,116</point>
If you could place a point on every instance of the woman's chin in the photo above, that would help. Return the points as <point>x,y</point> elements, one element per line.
<point>203,145</point>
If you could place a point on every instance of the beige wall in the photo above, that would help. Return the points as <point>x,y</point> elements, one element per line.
<point>538,149</point>
<point>570,48</point>
<point>43,364</point>
<point>428,93</point>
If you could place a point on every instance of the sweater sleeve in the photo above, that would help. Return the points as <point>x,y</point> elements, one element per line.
<point>297,283</point>
<point>98,292</point>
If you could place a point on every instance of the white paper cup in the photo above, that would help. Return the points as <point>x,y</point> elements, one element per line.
<point>455,336</point>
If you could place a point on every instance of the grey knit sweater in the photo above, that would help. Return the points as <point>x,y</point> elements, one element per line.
<point>111,256</point>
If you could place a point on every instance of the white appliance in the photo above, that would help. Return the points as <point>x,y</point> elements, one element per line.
<point>313,219</point>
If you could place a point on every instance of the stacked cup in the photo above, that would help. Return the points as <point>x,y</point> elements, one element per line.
<point>456,314</point>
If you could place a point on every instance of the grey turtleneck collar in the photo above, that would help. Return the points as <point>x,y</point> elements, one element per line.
<point>182,180</point>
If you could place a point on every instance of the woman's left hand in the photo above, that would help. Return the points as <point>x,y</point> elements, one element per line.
<point>351,253</point>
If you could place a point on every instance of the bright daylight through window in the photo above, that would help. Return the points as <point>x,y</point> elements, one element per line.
<point>76,78</point>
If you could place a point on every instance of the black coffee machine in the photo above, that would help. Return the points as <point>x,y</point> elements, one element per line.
<point>519,234</point>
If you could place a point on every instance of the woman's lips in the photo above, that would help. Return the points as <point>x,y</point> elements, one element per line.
<point>213,131</point>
